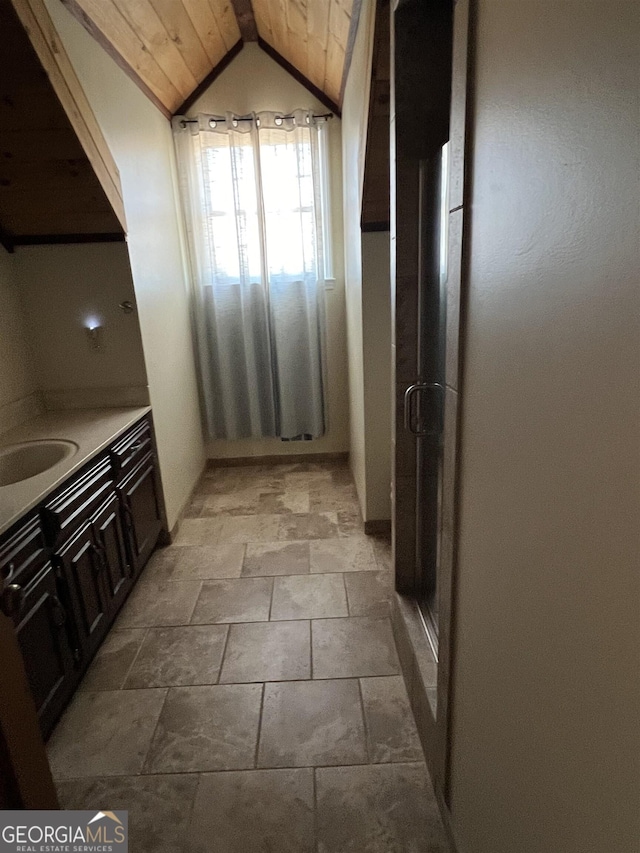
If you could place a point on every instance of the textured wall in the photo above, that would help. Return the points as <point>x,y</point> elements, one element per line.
<point>545,717</point>
<point>64,288</point>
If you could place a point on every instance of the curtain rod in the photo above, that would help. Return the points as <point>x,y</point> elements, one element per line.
<point>185,121</point>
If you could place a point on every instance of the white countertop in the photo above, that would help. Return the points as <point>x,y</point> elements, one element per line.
<point>91,429</point>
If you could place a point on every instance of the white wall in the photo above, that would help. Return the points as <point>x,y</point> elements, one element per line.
<point>63,289</point>
<point>254,82</point>
<point>354,134</point>
<point>17,376</point>
<point>141,142</point>
<point>367,285</point>
<point>546,742</point>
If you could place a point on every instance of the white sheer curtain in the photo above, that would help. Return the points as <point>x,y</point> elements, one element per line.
<point>251,196</point>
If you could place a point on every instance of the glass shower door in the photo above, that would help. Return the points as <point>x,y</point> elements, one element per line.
<point>424,403</point>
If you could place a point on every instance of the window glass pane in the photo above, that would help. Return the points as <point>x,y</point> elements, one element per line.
<point>232,213</point>
<point>287,182</point>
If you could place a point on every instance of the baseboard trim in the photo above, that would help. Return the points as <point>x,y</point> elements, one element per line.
<point>288,459</point>
<point>378,527</point>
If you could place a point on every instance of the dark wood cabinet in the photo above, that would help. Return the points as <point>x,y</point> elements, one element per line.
<point>140,494</point>
<point>80,562</point>
<point>109,538</point>
<point>66,570</point>
<point>41,629</point>
<point>30,597</point>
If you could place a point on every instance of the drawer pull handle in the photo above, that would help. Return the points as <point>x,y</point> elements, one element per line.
<point>8,571</point>
<point>12,599</point>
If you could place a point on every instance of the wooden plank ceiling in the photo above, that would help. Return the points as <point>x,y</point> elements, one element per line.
<point>48,186</point>
<point>175,48</point>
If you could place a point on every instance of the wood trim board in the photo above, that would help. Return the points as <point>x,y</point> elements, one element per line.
<point>304,81</point>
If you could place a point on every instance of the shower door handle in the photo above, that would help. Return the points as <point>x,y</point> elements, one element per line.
<point>432,395</point>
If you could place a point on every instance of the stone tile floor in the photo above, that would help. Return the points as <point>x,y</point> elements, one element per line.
<point>249,696</point>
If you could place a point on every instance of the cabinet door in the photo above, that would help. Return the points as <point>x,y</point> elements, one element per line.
<point>82,564</point>
<point>25,775</point>
<point>40,625</point>
<point>141,503</point>
<point>107,528</point>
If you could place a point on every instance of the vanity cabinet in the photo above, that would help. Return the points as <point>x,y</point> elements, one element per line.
<point>98,575</point>
<point>67,570</point>
<point>140,497</point>
<point>139,488</point>
<point>32,598</point>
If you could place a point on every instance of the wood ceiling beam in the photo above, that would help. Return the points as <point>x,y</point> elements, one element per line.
<point>246,19</point>
<point>291,69</point>
<point>208,80</point>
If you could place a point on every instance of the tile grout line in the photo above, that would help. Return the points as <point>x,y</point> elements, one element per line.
<point>224,652</point>
<point>364,722</point>
<point>195,603</point>
<point>131,665</point>
<point>259,732</point>
<point>254,577</point>
<point>311,649</point>
<point>314,767</point>
<point>346,594</point>
<point>143,763</point>
<point>316,839</point>
<point>273,586</point>
<point>279,680</point>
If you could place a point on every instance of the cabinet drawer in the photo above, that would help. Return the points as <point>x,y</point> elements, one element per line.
<point>63,514</point>
<point>22,554</point>
<point>131,448</point>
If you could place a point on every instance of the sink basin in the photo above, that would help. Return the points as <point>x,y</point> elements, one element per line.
<point>29,458</point>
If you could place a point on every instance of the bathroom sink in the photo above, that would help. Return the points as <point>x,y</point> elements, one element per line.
<point>29,458</point>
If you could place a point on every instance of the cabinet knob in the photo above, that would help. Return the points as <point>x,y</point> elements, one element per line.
<point>12,599</point>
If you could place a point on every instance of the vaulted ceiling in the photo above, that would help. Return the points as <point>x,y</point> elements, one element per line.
<point>173,49</point>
